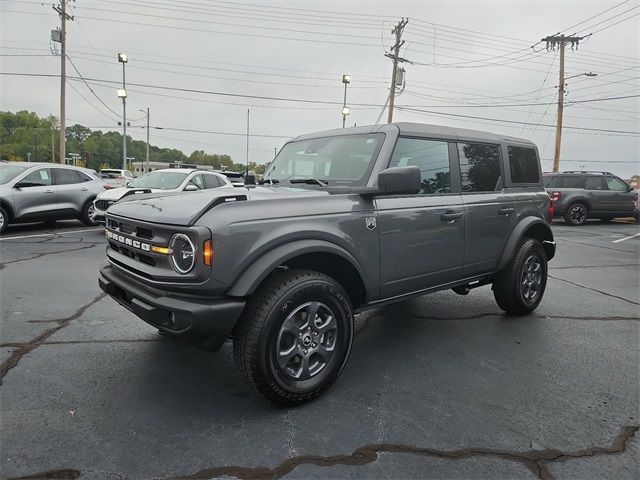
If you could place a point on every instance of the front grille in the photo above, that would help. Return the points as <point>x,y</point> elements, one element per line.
<point>104,204</point>
<point>140,232</point>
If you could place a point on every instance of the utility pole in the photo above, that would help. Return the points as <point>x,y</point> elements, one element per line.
<point>552,42</point>
<point>247,173</point>
<point>62,11</point>
<point>397,30</point>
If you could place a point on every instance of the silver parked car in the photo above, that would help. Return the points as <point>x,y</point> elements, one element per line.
<point>35,192</point>
<point>165,180</point>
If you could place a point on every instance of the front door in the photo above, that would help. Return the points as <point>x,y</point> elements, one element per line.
<point>619,198</point>
<point>421,235</point>
<point>35,197</point>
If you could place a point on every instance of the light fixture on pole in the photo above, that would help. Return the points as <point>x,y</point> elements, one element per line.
<point>147,115</point>
<point>123,58</point>
<point>346,79</point>
<point>561,91</point>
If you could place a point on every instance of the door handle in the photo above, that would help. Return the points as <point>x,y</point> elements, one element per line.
<point>506,211</point>
<point>48,191</point>
<point>84,189</point>
<point>450,215</point>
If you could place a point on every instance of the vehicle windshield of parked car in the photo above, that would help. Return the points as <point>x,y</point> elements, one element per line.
<point>9,172</point>
<point>341,160</point>
<point>159,180</point>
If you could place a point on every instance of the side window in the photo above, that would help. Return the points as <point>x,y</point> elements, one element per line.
<point>594,183</point>
<point>39,178</point>
<point>84,177</point>
<point>616,184</point>
<point>523,163</point>
<point>197,180</point>
<point>570,181</point>
<point>479,166</point>
<point>211,181</point>
<point>65,176</point>
<point>431,156</point>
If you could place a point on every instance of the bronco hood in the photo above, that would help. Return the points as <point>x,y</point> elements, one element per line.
<point>186,208</point>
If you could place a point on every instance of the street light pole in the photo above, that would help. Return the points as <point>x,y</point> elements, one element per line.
<point>346,79</point>
<point>122,58</point>
<point>147,113</point>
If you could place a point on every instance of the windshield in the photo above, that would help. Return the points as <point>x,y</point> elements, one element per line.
<point>159,180</point>
<point>345,160</point>
<point>9,172</point>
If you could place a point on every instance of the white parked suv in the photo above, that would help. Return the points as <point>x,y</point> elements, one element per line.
<point>165,180</point>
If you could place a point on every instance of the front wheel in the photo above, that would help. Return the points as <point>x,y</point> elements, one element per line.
<point>294,336</point>
<point>518,288</point>
<point>87,214</point>
<point>4,219</point>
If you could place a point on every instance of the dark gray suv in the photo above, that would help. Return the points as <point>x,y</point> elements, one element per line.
<point>579,195</point>
<point>344,220</point>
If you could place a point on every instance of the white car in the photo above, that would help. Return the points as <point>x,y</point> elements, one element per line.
<point>165,180</point>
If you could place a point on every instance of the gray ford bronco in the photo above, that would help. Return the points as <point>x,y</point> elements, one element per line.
<point>343,220</point>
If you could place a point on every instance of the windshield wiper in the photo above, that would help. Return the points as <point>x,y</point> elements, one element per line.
<point>270,181</point>
<point>310,181</point>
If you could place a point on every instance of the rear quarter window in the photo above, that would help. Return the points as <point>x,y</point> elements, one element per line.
<point>523,164</point>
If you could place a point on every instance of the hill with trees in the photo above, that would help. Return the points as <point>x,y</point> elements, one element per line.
<point>25,132</point>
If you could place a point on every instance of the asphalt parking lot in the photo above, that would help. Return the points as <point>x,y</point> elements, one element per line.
<point>444,386</point>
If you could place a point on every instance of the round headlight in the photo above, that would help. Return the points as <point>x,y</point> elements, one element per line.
<point>183,255</point>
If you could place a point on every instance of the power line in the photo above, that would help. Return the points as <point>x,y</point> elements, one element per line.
<point>90,89</point>
<point>596,15</point>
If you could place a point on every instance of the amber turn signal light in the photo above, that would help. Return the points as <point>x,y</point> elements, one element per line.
<point>207,252</point>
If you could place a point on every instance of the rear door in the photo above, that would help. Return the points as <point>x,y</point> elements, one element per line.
<point>37,198</point>
<point>597,192</point>
<point>421,235</point>
<point>70,191</point>
<point>620,197</point>
<point>489,211</point>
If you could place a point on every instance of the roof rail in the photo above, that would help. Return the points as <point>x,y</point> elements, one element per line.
<point>588,171</point>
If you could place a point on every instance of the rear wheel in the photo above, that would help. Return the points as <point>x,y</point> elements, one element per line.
<point>577,214</point>
<point>294,336</point>
<point>518,289</point>
<point>87,214</point>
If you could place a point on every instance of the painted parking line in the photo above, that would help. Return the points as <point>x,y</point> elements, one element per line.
<point>626,238</point>
<point>64,232</point>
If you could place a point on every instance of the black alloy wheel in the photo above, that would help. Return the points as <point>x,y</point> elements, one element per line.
<point>294,336</point>
<point>577,214</point>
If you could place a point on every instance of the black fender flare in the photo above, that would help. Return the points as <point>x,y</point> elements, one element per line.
<point>253,276</point>
<point>544,235</point>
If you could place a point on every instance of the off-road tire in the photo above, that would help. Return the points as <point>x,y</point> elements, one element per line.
<point>4,220</point>
<point>258,334</point>
<point>508,288</point>
<point>85,216</point>
<point>577,214</point>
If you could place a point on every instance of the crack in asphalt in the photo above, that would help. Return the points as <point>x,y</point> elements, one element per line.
<point>44,254</point>
<point>596,266</point>
<point>535,460</point>
<point>595,290</point>
<point>28,347</point>
<point>502,315</point>
<point>596,246</point>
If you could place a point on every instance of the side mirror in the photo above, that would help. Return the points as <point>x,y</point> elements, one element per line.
<point>191,188</point>
<point>250,178</point>
<point>400,181</point>
<point>631,189</point>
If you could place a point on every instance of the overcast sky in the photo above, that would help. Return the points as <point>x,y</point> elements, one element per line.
<point>470,59</point>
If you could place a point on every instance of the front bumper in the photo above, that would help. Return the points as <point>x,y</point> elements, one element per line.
<point>201,321</point>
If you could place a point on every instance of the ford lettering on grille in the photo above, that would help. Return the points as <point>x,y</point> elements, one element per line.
<point>145,247</point>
